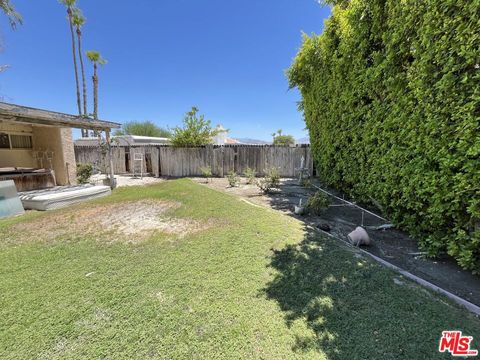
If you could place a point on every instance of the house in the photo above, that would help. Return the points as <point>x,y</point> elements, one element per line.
<point>36,146</point>
<point>221,137</point>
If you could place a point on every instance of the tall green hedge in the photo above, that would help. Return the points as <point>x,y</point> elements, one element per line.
<point>391,98</point>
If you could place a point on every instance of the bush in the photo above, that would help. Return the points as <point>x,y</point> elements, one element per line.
<point>317,203</point>
<point>279,139</point>
<point>196,131</point>
<point>306,183</point>
<point>206,172</point>
<point>143,128</point>
<point>233,178</point>
<point>390,99</point>
<point>84,172</point>
<point>284,140</point>
<point>250,175</point>
<point>270,181</point>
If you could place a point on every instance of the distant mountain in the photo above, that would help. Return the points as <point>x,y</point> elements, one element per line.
<point>305,140</point>
<point>248,141</point>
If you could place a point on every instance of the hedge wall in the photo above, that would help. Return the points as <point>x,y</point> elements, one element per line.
<point>391,98</point>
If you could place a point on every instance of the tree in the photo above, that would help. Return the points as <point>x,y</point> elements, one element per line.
<point>282,140</point>
<point>196,131</point>
<point>96,59</point>
<point>70,4</point>
<point>13,16</point>
<point>144,128</point>
<point>78,21</point>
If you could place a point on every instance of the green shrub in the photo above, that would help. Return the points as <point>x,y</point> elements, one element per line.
<point>284,140</point>
<point>233,179</point>
<point>84,172</point>
<point>196,131</point>
<point>143,128</point>
<point>279,139</point>
<point>206,172</point>
<point>306,182</point>
<point>250,175</point>
<point>390,98</point>
<point>270,181</point>
<point>317,203</point>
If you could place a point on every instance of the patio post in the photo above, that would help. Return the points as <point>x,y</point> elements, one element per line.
<point>110,158</point>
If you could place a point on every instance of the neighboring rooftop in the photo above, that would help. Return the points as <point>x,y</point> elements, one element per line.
<point>125,140</point>
<point>248,141</point>
<point>28,115</point>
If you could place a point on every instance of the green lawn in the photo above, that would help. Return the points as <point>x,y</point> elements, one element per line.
<point>251,284</point>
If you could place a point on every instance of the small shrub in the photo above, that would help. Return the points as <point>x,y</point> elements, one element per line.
<point>233,179</point>
<point>317,203</point>
<point>250,175</point>
<point>306,183</point>
<point>84,171</point>
<point>206,172</point>
<point>270,181</point>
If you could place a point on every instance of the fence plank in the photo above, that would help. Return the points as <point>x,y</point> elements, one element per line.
<point>180,162</point>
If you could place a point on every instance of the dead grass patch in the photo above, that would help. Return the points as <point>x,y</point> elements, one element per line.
<point>132,221</point>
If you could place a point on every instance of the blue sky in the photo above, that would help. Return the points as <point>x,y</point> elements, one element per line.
<point>226,57</point>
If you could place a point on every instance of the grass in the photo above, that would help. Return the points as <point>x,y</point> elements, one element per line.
<point>254,284</point>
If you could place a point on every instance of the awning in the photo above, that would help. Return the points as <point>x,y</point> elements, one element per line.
<point>27,115</point>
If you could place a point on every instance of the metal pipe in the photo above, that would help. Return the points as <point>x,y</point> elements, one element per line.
<point>110,157</point>
<point>466,304</point>
<point>348,202</point>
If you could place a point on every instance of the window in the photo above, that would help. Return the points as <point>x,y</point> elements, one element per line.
<point>21,141</point>
<point>13,141</point>
<point>4,141</point>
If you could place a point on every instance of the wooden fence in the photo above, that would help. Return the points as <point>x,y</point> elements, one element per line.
<point>164,160</point>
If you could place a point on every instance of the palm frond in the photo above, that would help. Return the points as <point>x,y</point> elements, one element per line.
<point>78,19</point>
<point>13,16</point>
<point>68,3</point>
<point>96,57</point>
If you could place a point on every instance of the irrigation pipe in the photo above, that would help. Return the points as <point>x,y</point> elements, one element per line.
<point>348,202</point>
<point>466,304</point>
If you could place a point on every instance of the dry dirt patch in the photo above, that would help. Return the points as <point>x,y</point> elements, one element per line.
<point>131,221</point>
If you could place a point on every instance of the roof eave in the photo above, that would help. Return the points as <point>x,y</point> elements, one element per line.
<point>23,114</point>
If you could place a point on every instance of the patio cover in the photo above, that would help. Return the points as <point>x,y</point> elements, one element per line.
<point>28,115</point>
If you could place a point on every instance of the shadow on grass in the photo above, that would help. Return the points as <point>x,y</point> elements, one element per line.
<point>351,306</point>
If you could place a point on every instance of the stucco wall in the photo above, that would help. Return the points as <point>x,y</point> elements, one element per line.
<point>16,158</point>
<point>58,140</point>
<point>69,154</point>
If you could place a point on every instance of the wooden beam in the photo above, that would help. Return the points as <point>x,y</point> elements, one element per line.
<point>23,114</point>
<point>110,158</point>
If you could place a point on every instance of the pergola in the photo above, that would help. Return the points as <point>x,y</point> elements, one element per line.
<point>23,115</point>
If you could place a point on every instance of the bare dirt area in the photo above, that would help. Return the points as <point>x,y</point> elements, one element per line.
<point>131,222</point>
<point>392,245</point>
<point>278,199</point>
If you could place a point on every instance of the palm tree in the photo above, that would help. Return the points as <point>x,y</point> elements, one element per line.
<point>70,4</point>
<point>96,59</point>
<point>78,21</point>
<point>13,16</point>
